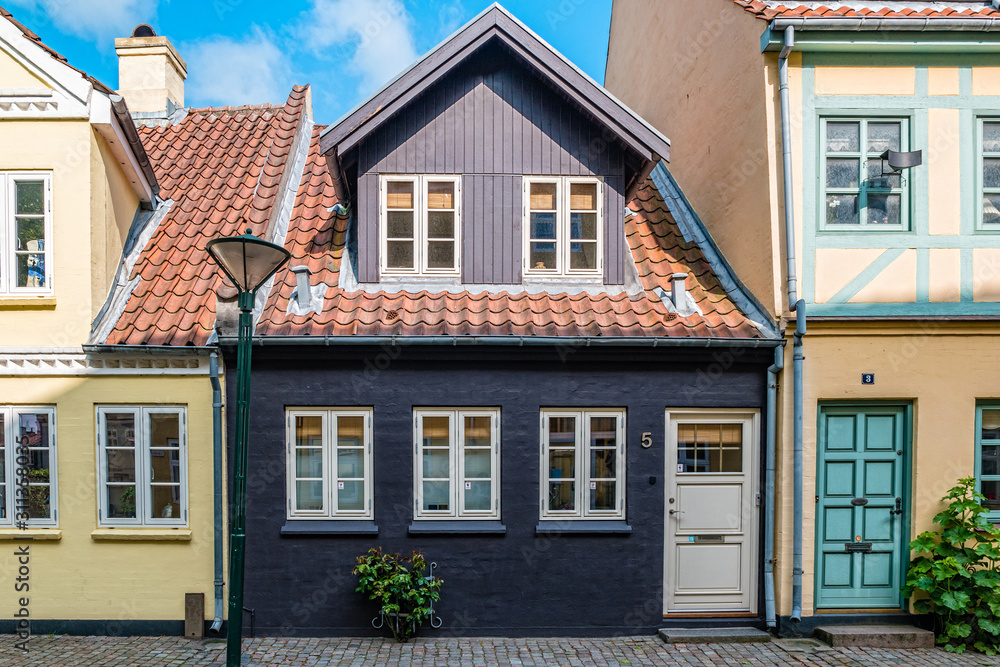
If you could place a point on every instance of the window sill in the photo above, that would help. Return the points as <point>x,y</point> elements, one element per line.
<point>582,527</point>
<point>27,302</point>
<point>30,534</point>
<point>457,527</point>
<point>128,534</point>
<point>306,528</point>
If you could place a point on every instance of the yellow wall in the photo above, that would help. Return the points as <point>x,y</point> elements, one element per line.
<point>78,577</point>
<point>924,364</point>
<point>695,72</point>
<point>113,207</point>
<point>14,75</point>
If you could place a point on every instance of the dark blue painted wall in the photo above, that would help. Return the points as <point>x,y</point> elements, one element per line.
<point>517,583</point>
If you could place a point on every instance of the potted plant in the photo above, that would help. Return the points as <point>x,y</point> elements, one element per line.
<point>398,584</point>
<point>959,575</point>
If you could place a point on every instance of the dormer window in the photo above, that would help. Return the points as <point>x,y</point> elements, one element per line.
<point>419,223</point>
<point>563,220</point>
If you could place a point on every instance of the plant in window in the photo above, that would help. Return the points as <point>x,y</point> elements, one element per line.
<point>959,573</point>
<point>398,584</point>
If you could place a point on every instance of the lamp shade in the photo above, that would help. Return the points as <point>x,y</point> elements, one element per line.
<point>247,260</point>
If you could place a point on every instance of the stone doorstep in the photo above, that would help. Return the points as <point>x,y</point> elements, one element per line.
<point>713,635</point>
<point>875,636</point>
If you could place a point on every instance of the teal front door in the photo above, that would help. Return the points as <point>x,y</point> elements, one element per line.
<point>860,508</point>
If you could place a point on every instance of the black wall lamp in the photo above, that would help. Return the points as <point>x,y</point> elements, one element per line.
<point>899,161</point>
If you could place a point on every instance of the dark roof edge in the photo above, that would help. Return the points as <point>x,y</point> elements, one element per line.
<point>495,21</point>
<point>120,109</point>
<point>694,231</point>
<point>516,341</point>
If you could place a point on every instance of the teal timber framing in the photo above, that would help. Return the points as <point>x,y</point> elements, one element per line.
<point>895,243</point>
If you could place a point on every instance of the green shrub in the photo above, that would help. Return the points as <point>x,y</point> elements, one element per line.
<point>399,585</point>
<point>959,573</point>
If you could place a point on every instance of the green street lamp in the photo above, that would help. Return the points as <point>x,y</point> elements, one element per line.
<point>249,262</point>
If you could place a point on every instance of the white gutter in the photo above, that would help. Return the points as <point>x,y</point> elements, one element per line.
<point>879,23</point>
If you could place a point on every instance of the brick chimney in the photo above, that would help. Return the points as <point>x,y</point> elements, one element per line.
<point>150,74</point>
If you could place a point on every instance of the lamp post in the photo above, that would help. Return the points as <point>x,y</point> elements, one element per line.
<point>249,262</point>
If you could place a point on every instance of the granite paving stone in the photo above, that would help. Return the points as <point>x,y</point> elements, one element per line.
<point>73,651</point>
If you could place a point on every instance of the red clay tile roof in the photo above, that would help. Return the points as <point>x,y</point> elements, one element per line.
<point>316,239</point>
<point>222,168</point>
<point>28,34</point>
<point>210,164</point>
<point>918,9</point>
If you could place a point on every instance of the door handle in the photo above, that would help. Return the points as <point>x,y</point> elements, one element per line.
<point>676,512</point>
<point>899,507</point>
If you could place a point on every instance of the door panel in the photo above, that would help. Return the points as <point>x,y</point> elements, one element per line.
<point>711,522</point>
<point>861,455</point>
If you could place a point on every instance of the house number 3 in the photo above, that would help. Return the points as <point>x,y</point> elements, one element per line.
<point>647,440</point>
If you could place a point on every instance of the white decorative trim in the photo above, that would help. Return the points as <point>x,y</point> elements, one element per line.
<point>122,290</point>
<point>82,363</point>
<point>290,188</point>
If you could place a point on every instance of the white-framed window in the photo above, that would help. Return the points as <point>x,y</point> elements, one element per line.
<point>25,233</point>
<point>989,173</point>
<point>859,190</point>
<point>28,457</point>
<point>329,463</point>
<point>456,463</point>
<point>142,465</point>
<point>583,464</point>
<point>420,224</point>
<point>563,223</point>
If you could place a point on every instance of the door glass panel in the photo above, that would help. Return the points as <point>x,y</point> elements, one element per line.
<point>709,448</point>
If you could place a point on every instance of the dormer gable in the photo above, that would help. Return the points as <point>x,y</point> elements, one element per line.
<point>491,161</point>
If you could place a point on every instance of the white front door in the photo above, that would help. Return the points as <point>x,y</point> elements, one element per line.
<point>712,505</point>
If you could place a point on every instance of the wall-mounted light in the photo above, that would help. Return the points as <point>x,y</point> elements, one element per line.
<point>899,161</point>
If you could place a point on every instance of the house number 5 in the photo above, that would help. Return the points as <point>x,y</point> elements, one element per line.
<point>647,440</point>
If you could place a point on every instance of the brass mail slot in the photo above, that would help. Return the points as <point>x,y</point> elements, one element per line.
<point>859,547</point>
<point>709,538</point>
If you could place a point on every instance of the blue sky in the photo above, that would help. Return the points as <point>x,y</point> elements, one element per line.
<point>253,51</point>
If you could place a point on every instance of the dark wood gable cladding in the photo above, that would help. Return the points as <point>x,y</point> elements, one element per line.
<point>491,104</point>
<point>492,121</point>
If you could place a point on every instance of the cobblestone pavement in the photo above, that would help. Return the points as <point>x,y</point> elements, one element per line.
<point>62,650</point>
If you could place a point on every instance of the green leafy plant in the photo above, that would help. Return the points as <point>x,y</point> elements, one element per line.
<point>959,573</point>
<point>127,500</point>
<point>399,585</point>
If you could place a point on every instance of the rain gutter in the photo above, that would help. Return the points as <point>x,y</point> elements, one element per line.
<point>515,341</point>
<point>880,23</point>
<point>771,421</point>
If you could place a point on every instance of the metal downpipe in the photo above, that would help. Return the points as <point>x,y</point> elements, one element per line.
<point>213,365</point>
<point>797,358</point>
<point>771,421</point>
<point>798,306</point>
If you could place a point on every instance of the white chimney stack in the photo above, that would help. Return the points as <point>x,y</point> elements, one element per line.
<point>678,293</point>
<point>303,290</point>
<point>150,74</point>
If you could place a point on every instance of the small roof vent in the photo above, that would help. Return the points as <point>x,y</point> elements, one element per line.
<point>143,30</point>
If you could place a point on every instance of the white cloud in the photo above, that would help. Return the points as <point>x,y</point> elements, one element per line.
<point>451,16</point>
<point>94,20</point>
<point>223,71</point>
<point>376,33</point>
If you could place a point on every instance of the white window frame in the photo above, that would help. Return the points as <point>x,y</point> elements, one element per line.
<point>143,481</point>
<point>330,509</point>
<point>563,230</point>
<point>582,466</point>
<point>8,233</point>
<point>863,190</point>
<point>420,225</point>
<point>10,432</point>
<point>456,465</point>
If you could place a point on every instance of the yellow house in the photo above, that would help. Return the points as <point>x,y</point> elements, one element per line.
<point>107,491</point>
<point>845,156</point>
